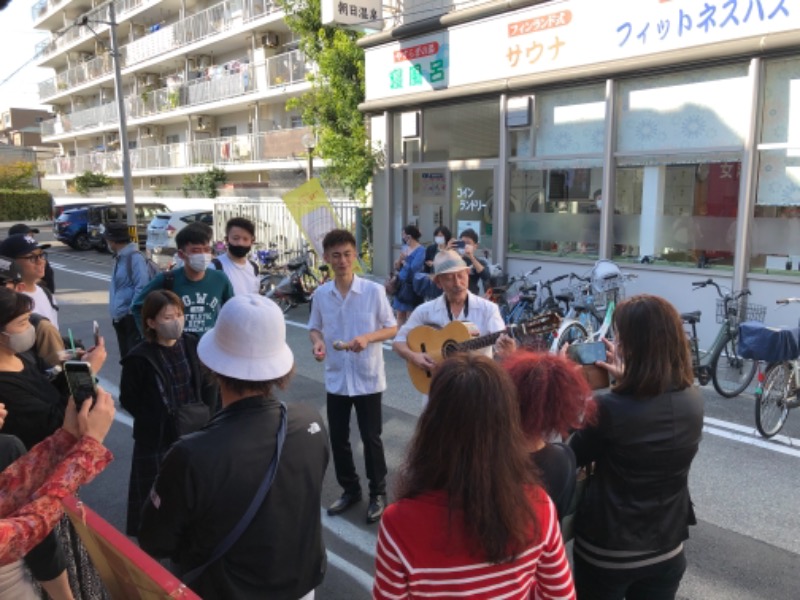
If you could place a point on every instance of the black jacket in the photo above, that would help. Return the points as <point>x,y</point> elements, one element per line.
<point>638,498</point>
<point>140,393</point>
<point>206,483</point>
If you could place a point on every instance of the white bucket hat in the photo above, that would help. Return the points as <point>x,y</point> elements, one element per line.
<point>248,341</point>
<point>448,261</point>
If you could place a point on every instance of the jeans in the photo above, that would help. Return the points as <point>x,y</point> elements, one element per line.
<point>653,582</point>
<point>127,334</point>
<point>370,424</point>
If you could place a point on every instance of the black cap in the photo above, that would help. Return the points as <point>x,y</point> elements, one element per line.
<point>9,271</point>
<point>20,244</point>
<point>21,228</point>
<point>117,232</point>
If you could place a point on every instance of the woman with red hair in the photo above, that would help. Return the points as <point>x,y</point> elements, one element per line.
<point>554,399</point>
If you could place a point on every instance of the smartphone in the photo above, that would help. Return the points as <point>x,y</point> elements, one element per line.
<point>587,353</point>
<point>80,380</point>
<point>96,331</point>
<point>460,244</point>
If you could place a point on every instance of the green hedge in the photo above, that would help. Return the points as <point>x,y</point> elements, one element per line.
<point>25,205</point>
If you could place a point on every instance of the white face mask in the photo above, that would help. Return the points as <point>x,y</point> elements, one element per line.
<point>599,204</point>
<point>439,239</point>
<point>199,262</point>
<point>21,342</point>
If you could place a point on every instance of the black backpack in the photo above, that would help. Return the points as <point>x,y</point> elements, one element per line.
<point>218,265</point>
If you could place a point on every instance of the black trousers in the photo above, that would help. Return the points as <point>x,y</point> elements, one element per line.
<point>370,425</point>
<point>654,582</point>
<point>127,334</point>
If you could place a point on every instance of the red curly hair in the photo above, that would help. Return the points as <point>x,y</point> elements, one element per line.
<point>554,396</point>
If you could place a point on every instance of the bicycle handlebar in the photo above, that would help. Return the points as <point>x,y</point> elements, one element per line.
<point>787,300</point>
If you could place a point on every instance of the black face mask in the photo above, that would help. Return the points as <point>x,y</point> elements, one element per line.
<point>239,251</point>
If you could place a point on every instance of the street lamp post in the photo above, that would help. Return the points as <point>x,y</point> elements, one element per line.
<point>309,142</point>
<point>127,184</point>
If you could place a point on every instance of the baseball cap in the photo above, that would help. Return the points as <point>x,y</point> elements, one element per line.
<point>448,261</point>
<point>117,232</point>
<point>9,271</point>
<point>248,341</point>
<point>20,244</point>
<point>21,228</point>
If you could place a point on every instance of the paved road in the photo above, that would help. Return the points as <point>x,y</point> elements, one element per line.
<point>746,546</point>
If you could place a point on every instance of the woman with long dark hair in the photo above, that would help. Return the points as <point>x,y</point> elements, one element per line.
<point>554,399</point>
<point>408,265</point>
<point>636,513</point>
<point>470,519</point>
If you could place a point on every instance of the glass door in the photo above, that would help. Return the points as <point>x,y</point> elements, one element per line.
<point>472,202</point>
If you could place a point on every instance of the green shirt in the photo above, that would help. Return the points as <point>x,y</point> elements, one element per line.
<point>201,299</point>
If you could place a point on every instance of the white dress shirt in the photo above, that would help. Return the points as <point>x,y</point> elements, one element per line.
<point>364,310</point>
<point>485,315</point>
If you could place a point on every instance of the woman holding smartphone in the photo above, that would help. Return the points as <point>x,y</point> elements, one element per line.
<point>36,408</point>
<point>164,390</point>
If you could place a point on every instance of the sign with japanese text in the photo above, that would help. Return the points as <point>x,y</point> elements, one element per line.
<point>568,34</point>
<point>361,15</point>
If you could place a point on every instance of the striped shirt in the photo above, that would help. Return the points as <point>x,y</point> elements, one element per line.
<point>417,557</point>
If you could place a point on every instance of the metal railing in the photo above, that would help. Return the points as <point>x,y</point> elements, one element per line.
<point>281,70</point>
<point>192,29</point>
<point>283,144</point>
<point>42,7</point>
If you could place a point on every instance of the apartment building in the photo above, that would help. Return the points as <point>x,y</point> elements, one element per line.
<point>205,83</point>
<point>662,134</point>
<point>21,126</point>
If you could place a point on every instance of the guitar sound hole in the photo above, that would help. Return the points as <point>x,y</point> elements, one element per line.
<point>449,348</point>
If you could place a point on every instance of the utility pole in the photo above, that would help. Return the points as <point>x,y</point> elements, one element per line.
<point>127,184</point>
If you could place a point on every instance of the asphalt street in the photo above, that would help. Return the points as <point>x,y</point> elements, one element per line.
<point>746,545</point>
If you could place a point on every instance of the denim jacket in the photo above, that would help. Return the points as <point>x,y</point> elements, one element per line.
<point>125,285</point>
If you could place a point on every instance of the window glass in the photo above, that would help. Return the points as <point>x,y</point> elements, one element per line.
<point>552,209</point>
<point>570,121</point>
<point>775,241</point>
<point>701,108</point>
<point>445,137</point>
<point>227,131</point>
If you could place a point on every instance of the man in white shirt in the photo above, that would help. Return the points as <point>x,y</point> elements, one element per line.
<point>350,317</point>
<point>457,303</point>
<point>240,233</point>
<point>31,259</point>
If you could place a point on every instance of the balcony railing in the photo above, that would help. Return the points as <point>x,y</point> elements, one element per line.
<point>216,19</point>
<point>283,144</point>
<point>280,70</point>
<point>42,7</point>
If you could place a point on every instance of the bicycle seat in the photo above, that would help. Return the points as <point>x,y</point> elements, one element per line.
<point>528,297</point>
<point>691,317</point>
<point>565,297</point>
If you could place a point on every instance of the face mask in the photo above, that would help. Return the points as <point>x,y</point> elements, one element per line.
<point>599,204</point>
<point>21,342</point>
<point>171,330</point>
<point>239,251</point>
<point>439,239</point>
<point>198,262</point>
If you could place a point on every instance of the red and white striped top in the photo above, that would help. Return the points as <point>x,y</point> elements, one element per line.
<point>417,557</point>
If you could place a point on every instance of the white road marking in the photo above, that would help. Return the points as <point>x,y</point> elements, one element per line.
<point>778,439</point>
<point>752,441</point>
<point>92,274</point>
<point>360,576</point>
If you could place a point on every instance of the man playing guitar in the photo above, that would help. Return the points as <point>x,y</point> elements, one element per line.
<point>451,274</point>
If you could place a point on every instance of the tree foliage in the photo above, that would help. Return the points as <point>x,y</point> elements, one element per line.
<point>89,181</point>
<point>17,175</point>
<point>206,183</point>
<point>331,106</point>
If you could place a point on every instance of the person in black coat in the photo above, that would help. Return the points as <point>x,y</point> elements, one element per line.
<point>164,390</point>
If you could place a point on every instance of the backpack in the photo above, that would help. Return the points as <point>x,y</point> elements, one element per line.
<point>152,267</point>
<point>218,265</point>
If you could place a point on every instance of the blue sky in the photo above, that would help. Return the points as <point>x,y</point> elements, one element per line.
<point>18,40</point>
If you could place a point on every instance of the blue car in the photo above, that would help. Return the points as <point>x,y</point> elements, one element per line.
<point>70,228</point>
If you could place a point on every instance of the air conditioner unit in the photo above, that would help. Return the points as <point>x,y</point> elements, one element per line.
<point>203,62</point>
<point>204,123</point>
<point>270,39</point>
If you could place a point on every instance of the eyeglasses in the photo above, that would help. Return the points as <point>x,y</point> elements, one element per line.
<point>34,258</point>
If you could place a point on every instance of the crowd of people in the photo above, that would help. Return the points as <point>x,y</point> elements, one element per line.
<point>226,480</point>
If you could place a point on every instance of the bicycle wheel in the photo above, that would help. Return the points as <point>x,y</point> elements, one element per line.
<point>771,409</point>
<point>571,333</point>
<point>730,373</point>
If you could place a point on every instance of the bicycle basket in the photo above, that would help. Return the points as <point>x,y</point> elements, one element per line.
<point>759,342</point>
<point>752,312</point>
<point>606,276</point>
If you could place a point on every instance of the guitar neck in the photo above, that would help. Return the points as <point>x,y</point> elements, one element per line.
<point>480,342</point>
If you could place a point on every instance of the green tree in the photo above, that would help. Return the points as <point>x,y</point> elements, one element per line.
<point>331,106</point>
<point>206,182</point>
<point>17,175</point>
<point>89,181</point>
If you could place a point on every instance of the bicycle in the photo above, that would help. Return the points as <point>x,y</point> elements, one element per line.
<point>722,363</point>
<point>778,389</point>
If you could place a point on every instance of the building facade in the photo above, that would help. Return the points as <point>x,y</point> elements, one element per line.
<point>662,134</point>
<point>204,83</point>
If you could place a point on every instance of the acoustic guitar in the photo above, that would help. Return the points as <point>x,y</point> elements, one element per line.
<point>462,336</point>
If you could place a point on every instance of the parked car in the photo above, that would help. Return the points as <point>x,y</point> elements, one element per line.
<point>71,228</point>
<point>163,228</point>
<point>102,216</point>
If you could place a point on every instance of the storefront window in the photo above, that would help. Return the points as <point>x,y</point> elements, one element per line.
<point>471,198</point>
<point>552,209</point>
<point>679,214</point>
<point>461,131</point>
<point>775,243</point>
